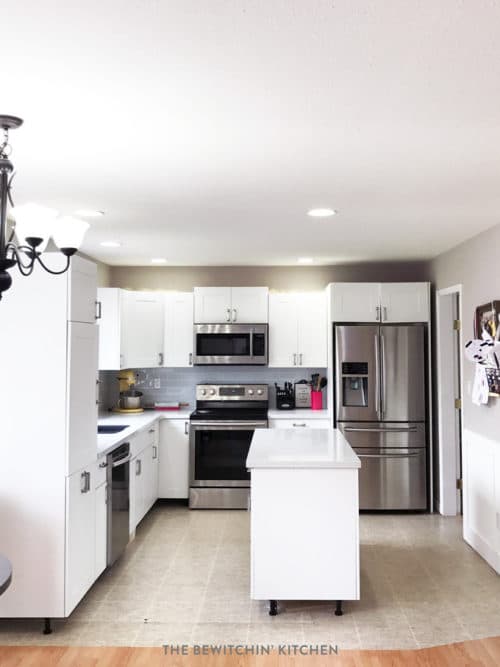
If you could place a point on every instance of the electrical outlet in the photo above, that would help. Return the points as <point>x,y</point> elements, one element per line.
<point>157,383</point>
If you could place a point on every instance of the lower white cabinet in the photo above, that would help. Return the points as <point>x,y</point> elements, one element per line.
<point>80,535</point>
<point>101,525</point>
<point>144,470</point>
<point>299,423</point>
<point>174,459</point>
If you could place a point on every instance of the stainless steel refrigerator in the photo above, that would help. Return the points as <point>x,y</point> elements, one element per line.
<point>380,396</point>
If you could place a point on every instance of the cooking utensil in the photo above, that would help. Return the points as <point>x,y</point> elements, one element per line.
<point>130,399</point>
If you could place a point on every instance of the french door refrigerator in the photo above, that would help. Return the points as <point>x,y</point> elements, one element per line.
<point>380,396</point>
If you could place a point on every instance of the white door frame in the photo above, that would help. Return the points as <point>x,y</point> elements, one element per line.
<point>448,503</point>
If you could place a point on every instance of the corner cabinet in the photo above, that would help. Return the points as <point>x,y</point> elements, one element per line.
<point>380,302</point>
<point>297,330</point>
<point>241,305</point>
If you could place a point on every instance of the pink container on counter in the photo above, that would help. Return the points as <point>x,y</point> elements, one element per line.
<point>316,400</point>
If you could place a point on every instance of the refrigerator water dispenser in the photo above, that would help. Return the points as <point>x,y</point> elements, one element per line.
<point>355,384</point>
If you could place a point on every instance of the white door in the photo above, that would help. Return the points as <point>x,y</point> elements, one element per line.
<point>142,329</point>
<point>179,335</point>
<point>283,330</point>
<point>174,459</point>
<point>312,329</point>
<point>356,302</point>
<point>249,305</point>
<point>212,305</point>
<point>101,523</point>
<point>82,282</point>
<point>109,299</point>
<point>404,302</point>
<point>80,536</point>
<point>81,402</point>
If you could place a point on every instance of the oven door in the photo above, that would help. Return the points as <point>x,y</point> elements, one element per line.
<point>218,452</point>
<point>226,344</point>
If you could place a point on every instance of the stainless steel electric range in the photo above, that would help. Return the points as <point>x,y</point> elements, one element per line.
<point>221,430</point>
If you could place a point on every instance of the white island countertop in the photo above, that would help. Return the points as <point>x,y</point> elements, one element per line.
<point>293,448</point>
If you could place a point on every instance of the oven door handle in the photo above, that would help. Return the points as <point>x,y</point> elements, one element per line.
<point>217,425</point>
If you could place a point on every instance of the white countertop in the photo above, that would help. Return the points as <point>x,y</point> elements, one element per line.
<point>300,413</point>
<point>293,448</point>
<point>134,422</point>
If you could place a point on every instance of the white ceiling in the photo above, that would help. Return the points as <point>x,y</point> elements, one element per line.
<point>207,128</point>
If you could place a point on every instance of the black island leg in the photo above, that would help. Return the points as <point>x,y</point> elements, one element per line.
<point>47,628</point>
<point>273,607</point>
<point>338,608</point>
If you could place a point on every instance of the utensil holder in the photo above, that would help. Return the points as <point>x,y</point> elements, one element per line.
<point>316,400</point>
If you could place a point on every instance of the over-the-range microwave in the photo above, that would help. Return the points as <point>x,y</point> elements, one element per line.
<point>230,344</point>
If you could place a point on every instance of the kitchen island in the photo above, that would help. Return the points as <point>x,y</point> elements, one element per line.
<point>304,516</point>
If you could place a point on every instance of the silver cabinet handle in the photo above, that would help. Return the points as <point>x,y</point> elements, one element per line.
<point>300,359</point>
<point>122,360</point>
<point>294,359</point>
<point>160,358</point>
<point>85,482</point>
<point>97,382</point>
<point>186,428</point>
<point>106,495</point>
<point>377,313</point>
<point>98,310</point>
<point>384,314</point>
<point>138,467</point>
<point>155,452</point>
<point>301,425</point>
<point>190,359</point>
<point>235,314</point>
<point>228,314</point>
<point>104,464</point>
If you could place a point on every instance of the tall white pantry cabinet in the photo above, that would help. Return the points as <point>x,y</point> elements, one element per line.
<point>48,357</point>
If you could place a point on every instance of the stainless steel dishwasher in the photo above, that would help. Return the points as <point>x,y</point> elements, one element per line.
<point>118,475</point>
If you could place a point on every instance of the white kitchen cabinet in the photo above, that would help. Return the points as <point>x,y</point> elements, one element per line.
<point>130,329</point>
<point>178,329</point>
<point>297,330</point>
<point>242,305</point>
<point>80,535</point>
<point>137,499</point>
<point>101,525</point>
<point>404,302</point>
<point>174,459</point>
<point>82,291</point>
<point>380,302</point>
<point>144,472</point>
<point>82,394</point>
<point>299,423</point>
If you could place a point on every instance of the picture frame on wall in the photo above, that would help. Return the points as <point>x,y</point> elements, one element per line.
<point>486,319</point>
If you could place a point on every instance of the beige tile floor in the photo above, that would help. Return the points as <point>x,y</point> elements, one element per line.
<point>185,579</point>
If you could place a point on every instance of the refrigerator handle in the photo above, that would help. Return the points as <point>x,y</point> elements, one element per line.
<point>382,376</point>
<point>377,376</point>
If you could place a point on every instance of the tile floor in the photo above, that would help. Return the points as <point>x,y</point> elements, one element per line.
<point>185,579</point>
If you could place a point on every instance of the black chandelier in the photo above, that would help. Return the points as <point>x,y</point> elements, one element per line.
<point>34,224</point>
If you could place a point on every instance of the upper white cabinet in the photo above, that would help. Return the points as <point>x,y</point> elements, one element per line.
<point>130,329</point>
<point>243,305</point>
<point>297,329</point>
<point>178,329</point>
<point>380,302</point>
<point>82,291</point>
<point>174,459</point>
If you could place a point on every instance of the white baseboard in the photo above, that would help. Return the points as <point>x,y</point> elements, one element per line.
<point>482,548</point>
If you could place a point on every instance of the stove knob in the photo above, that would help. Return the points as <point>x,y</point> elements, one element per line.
<point>259,392</point>
<point>212,392</point>
<point>250,392</point>
<point>203,392</point>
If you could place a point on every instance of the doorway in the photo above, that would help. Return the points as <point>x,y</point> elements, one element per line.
<point>449,399</point>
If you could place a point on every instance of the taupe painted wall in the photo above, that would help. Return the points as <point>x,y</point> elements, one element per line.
<point>184,278</point>
<point>475,265</point>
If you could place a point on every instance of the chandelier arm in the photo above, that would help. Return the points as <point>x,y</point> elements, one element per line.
<point>54,273</point>
<point>17,256</point>
<point>9,193</point>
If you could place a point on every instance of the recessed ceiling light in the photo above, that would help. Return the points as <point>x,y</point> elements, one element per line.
<point>89,213</point>
<point>158,260</point>
<point>305,260</point>
<point>321,212</point>
<point>110,244</point>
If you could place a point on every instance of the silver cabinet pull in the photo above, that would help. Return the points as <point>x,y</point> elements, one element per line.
<point>85,482</point>
<point>300,359</point>
<point>235,314</point>
<point>155,452</point>
<point>228,314</point>
<point>97,382</point>
<point>186,428</point>
<point>294,359</point>
<point>190,359</point>
<point>104,464</point>
<point>384,314</point>
<point>122,361</point>
<point>377,313</point>
<point>300,425</point>
<point>160,358</point>
<point>98,310</point>
<point>138,467</point>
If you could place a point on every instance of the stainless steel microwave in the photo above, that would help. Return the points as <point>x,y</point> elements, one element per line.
<point>230,344</point>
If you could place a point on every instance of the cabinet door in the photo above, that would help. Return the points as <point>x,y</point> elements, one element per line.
<point>101,525</point>
<point>356,302</point>
<point>174,459</point>
<point>283,330</point>
<point>81,395</point>
<point>212,305</point>
<point>249,305</point>
<point>80,536</point>
<point>109,299</point>
<point>179,336</point>
<point>404,302</point>
<point>312,330</point>
<point>82,283</point>
<point>142,329</point>
<point>155,474</point>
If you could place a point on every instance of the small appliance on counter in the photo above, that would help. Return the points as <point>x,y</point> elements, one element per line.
<point>285,397</point>
<point>130,397</point>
